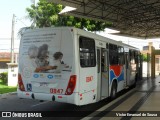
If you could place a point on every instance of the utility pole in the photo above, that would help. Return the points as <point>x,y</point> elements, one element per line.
<point>34,22</point>
<point>12,39</point>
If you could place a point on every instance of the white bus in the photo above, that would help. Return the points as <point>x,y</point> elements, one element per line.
<point>73,66</point>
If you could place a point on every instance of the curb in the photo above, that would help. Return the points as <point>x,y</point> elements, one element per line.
<point>5,94</point>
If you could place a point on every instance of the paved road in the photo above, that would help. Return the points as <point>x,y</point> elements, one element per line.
<point>12,103</point>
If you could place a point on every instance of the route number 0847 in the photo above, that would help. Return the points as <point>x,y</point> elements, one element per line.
<point>56,91</point>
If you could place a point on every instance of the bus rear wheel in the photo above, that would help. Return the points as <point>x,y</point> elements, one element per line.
<point>113,90</point>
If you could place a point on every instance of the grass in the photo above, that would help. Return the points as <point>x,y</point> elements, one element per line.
<point>6,89</point>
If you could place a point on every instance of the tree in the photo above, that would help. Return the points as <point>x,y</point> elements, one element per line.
<point>144,56</point>
<point>46,14</point>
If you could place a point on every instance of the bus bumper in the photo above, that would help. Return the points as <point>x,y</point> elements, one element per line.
<point>49,97</point>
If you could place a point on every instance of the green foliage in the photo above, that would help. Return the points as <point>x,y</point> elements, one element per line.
<point>6,89</point>
<point>144,57</point>
<point>4,77</point>
<point>46,14</point>
<point>3,84</point>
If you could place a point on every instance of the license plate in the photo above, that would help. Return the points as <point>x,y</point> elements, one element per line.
<point>43,84</point>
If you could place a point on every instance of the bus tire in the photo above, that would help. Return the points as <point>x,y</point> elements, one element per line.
<point>113,90</point>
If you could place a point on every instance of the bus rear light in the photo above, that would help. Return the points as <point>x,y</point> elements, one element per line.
<point>71,85</point>
<point>20,83</point>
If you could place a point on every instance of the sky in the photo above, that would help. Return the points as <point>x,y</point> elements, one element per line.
<point>7,9</point>
<point>18,7</point>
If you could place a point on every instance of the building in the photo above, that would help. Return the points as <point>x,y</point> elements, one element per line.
<point>5,57</point>
<point>148,51</point>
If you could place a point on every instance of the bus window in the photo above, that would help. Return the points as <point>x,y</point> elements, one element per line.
<point>136,57</point>
<point>104,60</point>
<point>120,55</point>
<point>132,60</point>
<point>103,64</point>
<point>132,56</point>
<point>87,52</point>
<point>113,54</point>
<point>98,60</point>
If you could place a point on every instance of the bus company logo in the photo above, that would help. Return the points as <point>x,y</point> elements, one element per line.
<point>36,76</point>
<point>50,76</point>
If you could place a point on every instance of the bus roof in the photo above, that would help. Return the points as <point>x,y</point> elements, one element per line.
<point>87,33</point>
<point>105,39</point>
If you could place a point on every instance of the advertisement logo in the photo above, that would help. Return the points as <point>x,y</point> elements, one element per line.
<point>36,76</point>
<point>42,75</point>
<point>50,76</point>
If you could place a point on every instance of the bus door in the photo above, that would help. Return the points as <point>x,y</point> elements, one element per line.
<point>127,69</point>
<point>105,74</point>
<point>133,66</point>
<point>98,74</point>
<point>102,74</point>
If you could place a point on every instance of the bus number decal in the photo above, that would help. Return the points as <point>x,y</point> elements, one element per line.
<point>56,91</point>
<point>89,79</point>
